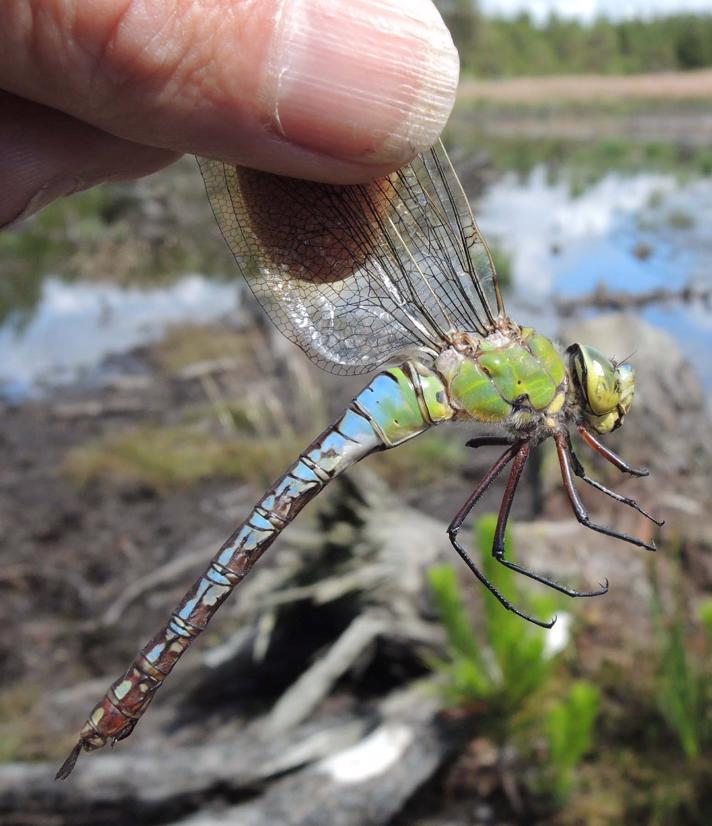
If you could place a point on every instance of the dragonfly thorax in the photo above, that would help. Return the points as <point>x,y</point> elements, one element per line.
<point>469,344</point>
<point>604,390</point>
<point>515,378</point>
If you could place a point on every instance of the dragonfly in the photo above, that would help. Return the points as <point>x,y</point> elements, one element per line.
<point>393,276</point>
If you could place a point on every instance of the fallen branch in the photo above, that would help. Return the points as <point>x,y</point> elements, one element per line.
<point>602,298</point>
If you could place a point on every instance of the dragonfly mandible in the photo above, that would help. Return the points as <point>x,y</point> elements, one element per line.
<point>392,271</point>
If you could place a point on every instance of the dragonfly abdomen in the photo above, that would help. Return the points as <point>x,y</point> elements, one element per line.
<point>395,406</point>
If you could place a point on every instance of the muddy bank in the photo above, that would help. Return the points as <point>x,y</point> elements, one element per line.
<point>661,86</point>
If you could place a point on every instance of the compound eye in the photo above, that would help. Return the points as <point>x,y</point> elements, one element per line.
<point>626,378</point>
<point>603,389</point>
<point>598,379</point>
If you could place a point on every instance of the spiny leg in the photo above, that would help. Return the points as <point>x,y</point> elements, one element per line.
<point>581,473</point>
<point>579,509</point>
<point>462,514</point>
<point>609,455</point>
<point>520,460</point>
<point>483,486</point>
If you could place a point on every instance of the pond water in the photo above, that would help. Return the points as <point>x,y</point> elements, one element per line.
<point>632,231</point>
<point>74,326</point>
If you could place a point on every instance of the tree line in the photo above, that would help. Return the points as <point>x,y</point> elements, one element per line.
<point>496,47</point>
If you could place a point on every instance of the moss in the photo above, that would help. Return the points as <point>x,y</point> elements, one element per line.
<point>164,457</point>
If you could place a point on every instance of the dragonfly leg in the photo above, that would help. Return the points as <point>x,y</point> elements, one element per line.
<point>489,441</point>
<point>579,509</point>
<point>483,486</point>
<point>581,473</point>
<point>609,455</point>
<point>462,514</point>
<point>520,460</point>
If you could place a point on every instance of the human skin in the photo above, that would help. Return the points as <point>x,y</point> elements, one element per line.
<point>332,90</point>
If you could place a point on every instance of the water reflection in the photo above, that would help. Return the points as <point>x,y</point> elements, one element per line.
<point>75,326</point>
<point>628,232</point>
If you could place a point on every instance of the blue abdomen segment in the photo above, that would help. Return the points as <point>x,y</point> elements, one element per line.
<point>404,401</point>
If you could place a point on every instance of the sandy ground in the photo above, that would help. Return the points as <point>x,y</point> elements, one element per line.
<point>662,86</point>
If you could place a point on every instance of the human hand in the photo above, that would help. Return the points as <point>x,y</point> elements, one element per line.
<point>333,90</point>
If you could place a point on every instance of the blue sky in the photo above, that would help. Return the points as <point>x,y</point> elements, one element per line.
<point>587,9</point>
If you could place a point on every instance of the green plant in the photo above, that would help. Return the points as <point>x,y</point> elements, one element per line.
<point>680,219</point>
<point>512,672</point>
<point>512,661</point>
<point>683,688</point>
<point>569,733</point>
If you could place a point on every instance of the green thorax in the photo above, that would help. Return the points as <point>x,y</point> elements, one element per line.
<point>514,369</point>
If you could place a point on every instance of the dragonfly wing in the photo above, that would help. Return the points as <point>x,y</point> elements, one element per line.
<point>355,274</point>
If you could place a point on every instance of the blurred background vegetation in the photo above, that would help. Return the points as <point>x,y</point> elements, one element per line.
<point>520,45</point>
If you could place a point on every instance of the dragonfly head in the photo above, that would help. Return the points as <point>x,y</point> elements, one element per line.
<point>606,388</point>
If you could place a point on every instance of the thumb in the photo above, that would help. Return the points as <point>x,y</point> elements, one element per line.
<point>335,90</point>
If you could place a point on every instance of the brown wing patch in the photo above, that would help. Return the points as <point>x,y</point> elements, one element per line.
<point>319,233</point>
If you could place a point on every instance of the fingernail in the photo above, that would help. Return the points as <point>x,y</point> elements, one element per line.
<point>366,80</point>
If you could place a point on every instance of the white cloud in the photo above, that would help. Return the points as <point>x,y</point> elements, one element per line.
<point>589,9</point>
